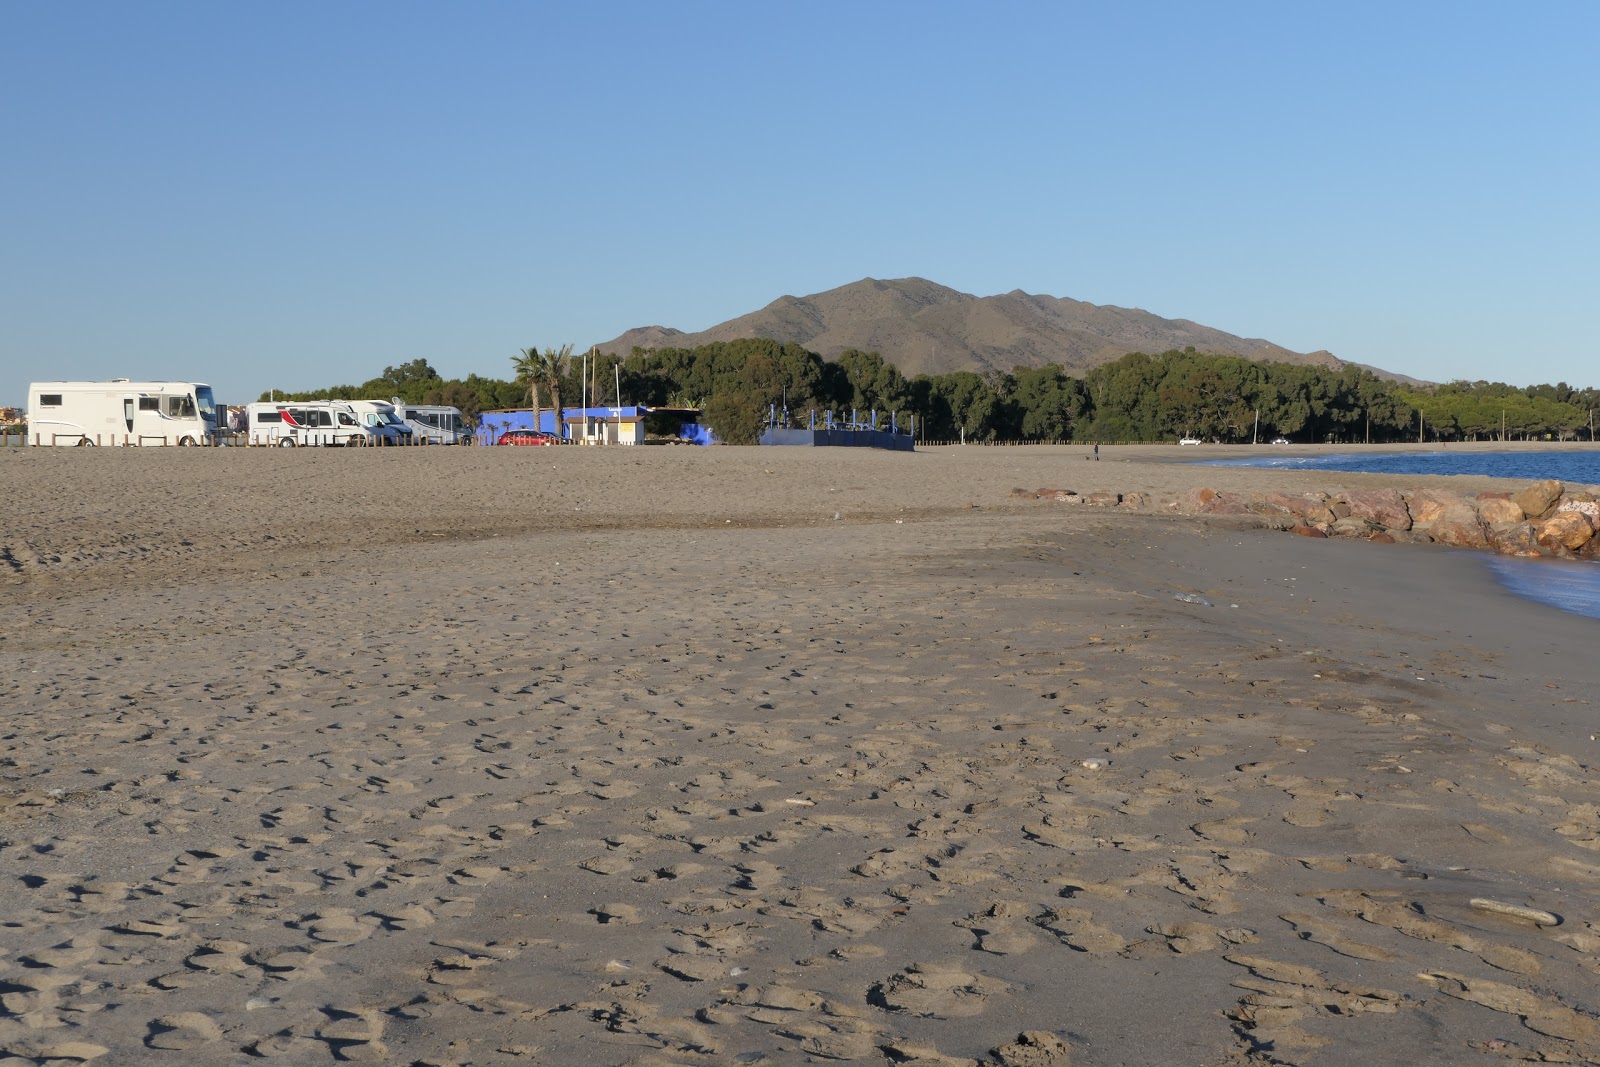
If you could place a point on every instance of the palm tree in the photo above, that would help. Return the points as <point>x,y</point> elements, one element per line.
<point>551,368</point>
<point>529,369</point>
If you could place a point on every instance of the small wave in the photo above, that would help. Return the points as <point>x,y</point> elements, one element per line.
<point>1571,585</point>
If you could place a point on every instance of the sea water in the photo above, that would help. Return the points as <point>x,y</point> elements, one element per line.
<point>1566,584</point>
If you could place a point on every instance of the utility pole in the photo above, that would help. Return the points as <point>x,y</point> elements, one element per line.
<point>1419,426</point>
<point>1255,434</point>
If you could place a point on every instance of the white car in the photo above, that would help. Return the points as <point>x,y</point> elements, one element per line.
<point>1189,441</point>
<point>1280,440</point>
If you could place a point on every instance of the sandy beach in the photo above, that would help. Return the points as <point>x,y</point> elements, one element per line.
<point>731,756</point>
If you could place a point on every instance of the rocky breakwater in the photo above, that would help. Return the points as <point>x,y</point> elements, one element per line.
<point>1540,519</point>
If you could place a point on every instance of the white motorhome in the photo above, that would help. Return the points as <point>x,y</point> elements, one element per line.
<point>121,412</point>
<point>380,415</point>
<point>302,423</point>
<point>435,423</point>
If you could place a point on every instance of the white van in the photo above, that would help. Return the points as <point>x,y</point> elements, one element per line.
<point>437,424</point>
<point>121,412</point>
<point>302,423</point>
<point>379,415</point>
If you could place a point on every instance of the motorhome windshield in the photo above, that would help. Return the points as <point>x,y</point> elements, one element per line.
<point>391,418</point>
<point>370,418</point>
<point>208,406</point>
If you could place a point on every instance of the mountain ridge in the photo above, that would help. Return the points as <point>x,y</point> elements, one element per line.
<point>923,327</point>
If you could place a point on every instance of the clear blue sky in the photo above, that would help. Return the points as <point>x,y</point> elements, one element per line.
<point>297,194</point>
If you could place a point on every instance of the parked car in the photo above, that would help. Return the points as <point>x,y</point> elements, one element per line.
<point>1189,441</point>
<point>528,437</point>
<point>1280,440</point>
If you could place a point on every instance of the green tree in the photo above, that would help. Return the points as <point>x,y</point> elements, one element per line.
<point>551,367</point>
<point>529,367</point>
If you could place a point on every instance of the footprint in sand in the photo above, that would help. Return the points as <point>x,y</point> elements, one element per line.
<point>938,990</point>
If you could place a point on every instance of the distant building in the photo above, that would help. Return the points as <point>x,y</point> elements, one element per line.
<point>631,425</point>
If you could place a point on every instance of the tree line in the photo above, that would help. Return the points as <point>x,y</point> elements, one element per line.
<point>1140,397</point>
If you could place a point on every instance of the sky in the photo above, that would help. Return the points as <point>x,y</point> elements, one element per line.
<point>294,195</point>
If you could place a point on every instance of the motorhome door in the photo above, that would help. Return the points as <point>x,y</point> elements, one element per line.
<point>127,412</point>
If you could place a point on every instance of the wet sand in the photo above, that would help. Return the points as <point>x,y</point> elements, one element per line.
<point>594,757</point>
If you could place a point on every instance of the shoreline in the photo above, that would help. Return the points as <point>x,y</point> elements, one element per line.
<point>566,767</point>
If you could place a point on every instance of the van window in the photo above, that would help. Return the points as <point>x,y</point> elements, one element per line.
<point>181,407</point>
<point>324,418</point>
<point>149,403</point>
<point>269,416</point>
<point>49,400</point>
<point>346,419</point>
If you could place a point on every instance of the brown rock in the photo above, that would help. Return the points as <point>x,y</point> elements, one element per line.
<point>1136,501</point>
<point>1427,505</point>
<point>1353,527</point>
<point>1386,507</point>
<point>1307,531</point>
<point>1196,499</point>
<point>1570,530</point>
<point>1498,508</point>
<point>1054,494</point>
<point>1340,509</point>
<point>1225,504</point>
<point>1538,497</point>
<point>1103,499</point>
<point>1515,538</point>
<point>1308,506</point>
<point>1023,494</point>
<point>1382,537</point>
<point>1459,525</point>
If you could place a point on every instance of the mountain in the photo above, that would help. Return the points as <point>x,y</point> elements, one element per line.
<point>925,328</point>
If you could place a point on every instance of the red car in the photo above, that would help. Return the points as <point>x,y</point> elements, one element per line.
<point>528,437</point>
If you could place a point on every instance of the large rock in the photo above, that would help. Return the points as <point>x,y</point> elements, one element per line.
<point>1498,509</point>
<point>1386,507</point>
<point>1459,525</point>
<point>1519,538</point>
<point>1353,527</point>
<point>1226,504</point>
<point>1538,497</point>
<point>1312,507</point>
<point>1195,499</point>
<point>1570,530</point>
<point>1426,505</point>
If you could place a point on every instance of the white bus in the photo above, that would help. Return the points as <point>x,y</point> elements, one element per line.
<point>121,412</point>
<point>435,423</point>
<point>299,423</point>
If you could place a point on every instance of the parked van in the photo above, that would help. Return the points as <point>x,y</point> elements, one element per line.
<point>290,424</point>
<point>438,424</point>
<point>121,412</point>
<point>380,415</point>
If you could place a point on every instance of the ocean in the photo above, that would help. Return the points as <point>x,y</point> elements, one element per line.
<point>1569,585</point>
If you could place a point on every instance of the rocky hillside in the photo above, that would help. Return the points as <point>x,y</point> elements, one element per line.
<point>925,328</point>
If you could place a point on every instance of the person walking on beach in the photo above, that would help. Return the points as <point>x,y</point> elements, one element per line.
<point>1097,451</point>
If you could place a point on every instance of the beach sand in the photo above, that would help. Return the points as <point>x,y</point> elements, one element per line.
<point>730,756</point>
